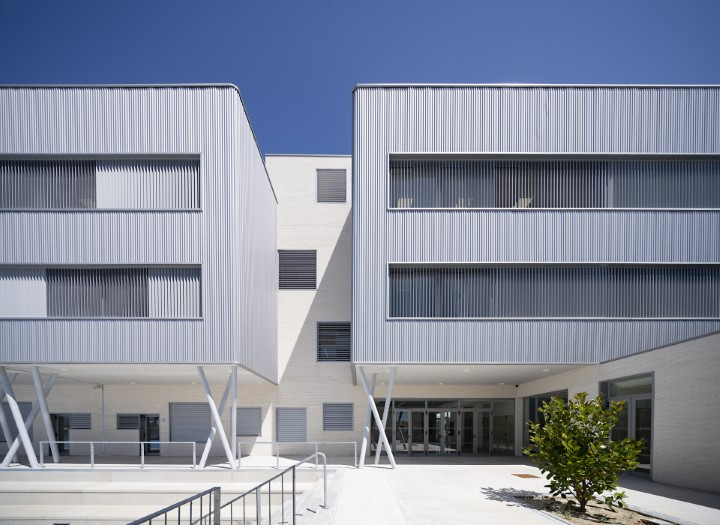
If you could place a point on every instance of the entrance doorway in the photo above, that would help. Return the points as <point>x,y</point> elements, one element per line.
<point>61,428</point>
<point>150,432</point>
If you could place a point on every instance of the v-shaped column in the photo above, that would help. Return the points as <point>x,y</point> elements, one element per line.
<point>213,430</point>
<point>386,410</point>
<point>382,438</point>
<point>17,416</point>
<point>3,418</point>
<point>217,422</point>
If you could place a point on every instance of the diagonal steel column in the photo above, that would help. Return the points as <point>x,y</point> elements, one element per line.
<point>17,416</point>
<point>378,421</point>
<point>233,412</point>
<point>213,430</point>
<point>386,410</point>
<point>3,418</point>
<point>29,421</point>
<point>45,414</point>
<point>368,415</point>
<point>216,418</point>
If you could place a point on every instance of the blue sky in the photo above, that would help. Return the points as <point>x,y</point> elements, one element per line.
<point>296,62</point>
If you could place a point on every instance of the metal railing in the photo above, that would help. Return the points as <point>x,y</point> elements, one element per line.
<point>257,493</point>
<point>141,444</point>
<point>207,513</point>
<point>278,443</point>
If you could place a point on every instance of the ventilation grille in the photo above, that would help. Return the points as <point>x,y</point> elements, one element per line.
<point>331,185</point>
<point>603,292</point>
<point>337,416</point>
<point>79,420</point>
<point>297,269</point>
<point>555,184</point>
<point>333,342</point>
<point>128,421</point>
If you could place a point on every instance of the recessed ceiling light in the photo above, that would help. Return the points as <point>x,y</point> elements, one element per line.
<point>441,383</point>
<point>387,370</point>
<point>466,370</point>
<point>502,383</point>
<point>382,383</point>
<point>64,369</point>
<point>133,383</point>
<point>546,370</point>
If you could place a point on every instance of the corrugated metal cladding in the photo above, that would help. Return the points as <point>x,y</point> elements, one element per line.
<point>419,121</point>
<point>231,236</point>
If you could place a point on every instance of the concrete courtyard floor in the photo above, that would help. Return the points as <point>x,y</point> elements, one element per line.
<point>439,490</point>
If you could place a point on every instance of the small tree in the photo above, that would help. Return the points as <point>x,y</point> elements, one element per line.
<point>574,449</point>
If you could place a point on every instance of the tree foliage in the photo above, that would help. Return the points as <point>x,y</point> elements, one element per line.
<point>575,451</point>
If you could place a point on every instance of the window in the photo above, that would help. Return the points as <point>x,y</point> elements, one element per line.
<point>333,341</point>
<point>337,416</point>
<point>554,183</point>
<point>674,292</point>
<point>249,421</point>
<point>531,413</point>
<point>331,185</point>
<point>297,269</point>
<point>291,424</point>
<point>75,420</point>
<point>189,422</point>
<point>100,184</point>
<point>100,292</point>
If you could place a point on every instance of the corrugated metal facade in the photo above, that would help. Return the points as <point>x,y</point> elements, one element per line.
<point>231,237</point>
<point>520,120</point>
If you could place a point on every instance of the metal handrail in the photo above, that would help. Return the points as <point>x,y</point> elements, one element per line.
<point>140,443</point>
<point>281,475</point>
<point>213,509</point>
<point>277,448</point>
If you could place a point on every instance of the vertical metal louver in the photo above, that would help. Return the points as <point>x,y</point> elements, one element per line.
<point>47,184</point>
<point>189,421</point>
<point>331,185</point>
<point>95,292</point>
<point>291,424</point>
<point>174,292</point>
<point>23,292</point>
<point>128,421</point>
<point>555,184</point>
<point>25,409</point>
<point>333,341</point>
<point>249,421</point>
<point>337,416</point>
<point>297,269</point>
<point>579,292</point>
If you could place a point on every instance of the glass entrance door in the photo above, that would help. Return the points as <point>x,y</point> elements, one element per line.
<point>636,422</point>
<point>150,432</point>
<point>467,432</point>
<point>61,428</point>
<point>417,432</point>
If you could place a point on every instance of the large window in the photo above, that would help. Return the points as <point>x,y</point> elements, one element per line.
<point>555,292</point>
<point>584,183</point>
<point>100,184</point>
<point>531,412</point>
<point>333,341</point>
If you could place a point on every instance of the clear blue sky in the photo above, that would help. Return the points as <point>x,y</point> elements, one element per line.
<point>296,61</point>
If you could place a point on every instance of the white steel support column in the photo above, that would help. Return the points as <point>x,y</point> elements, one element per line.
<point>233,411</point>
<point>42,402</point>
<point>368,415</point>
<point>17,416</point>
<point>216,418</point>
<point>12,451</point>
<point>3,419</point>
<point>213,430</point>
<point>371,404</point>
<point>386,410</point>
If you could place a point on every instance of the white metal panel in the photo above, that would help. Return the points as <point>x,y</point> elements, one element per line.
<point>23,292</point>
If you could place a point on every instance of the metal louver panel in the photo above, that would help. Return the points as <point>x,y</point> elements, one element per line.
<point>189,421</point>
<point>249,421</point>
<point>337,416</point>
<point>291,424</point>
<point>331,185</point>
<point>25,409</point>
<point>23,292</point>
<point>550,292</point>
<point>47,184</point>
<point>333,341</point>
<point>95,292</point>
<point>128,421</point>
<point>556,183</point>
<point>297,269</point>
<point>174,292</point>
<point>79,420</point>
<point>148,183</point>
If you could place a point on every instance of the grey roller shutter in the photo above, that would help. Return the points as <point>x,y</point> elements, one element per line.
<point>79,420</point>
<point>128,421</point>
<point>337,416</point>
<point>189,421</point>
<point>291,424</point>
<point>249,421</point>
<point>25,409</point>
<point>331,185</point>
<point>333,342</point>
<point>297,269</point>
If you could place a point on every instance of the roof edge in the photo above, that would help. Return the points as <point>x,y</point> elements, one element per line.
<point>521,85</point>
